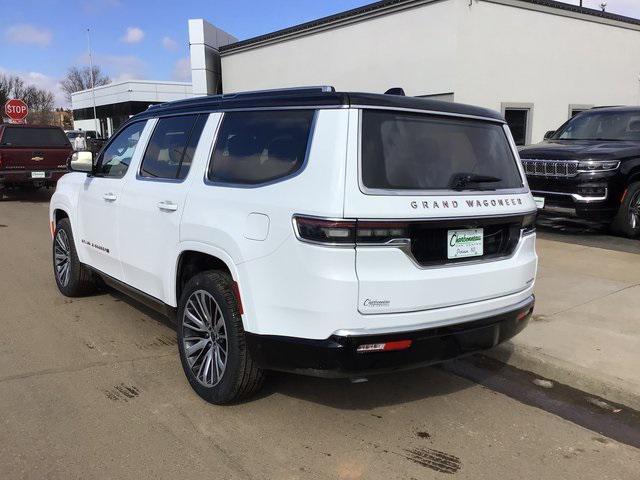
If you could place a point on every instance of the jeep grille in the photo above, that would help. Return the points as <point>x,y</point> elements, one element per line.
<point>550,168</point>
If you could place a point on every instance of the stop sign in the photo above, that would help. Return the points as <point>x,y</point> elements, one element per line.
<point>16,109</point>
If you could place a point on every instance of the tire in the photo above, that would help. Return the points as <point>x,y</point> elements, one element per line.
<point>72,277</point>
<point>211,341</point>
<point>627,220</point>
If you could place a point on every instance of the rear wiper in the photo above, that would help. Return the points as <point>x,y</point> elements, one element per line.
<point>461,181</point>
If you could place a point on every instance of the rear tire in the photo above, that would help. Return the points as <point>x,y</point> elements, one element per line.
<point>211,341</point>
<point>72,277</point>
<point>627,220</point>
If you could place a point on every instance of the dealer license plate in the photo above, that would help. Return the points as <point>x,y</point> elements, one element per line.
<point>38,175</point>
<point>465,243</point>
<point>539,202</point>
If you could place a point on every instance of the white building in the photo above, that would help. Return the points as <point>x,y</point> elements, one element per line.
<point>537,61</point>
<point>116,102</point>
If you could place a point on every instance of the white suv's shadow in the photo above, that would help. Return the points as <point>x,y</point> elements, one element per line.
<point>28,195</point>
<point>378,391</point>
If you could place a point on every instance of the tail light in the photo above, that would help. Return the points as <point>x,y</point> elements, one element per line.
<point>349,232</point>
<point>319,230</point>
<point>336,232</point>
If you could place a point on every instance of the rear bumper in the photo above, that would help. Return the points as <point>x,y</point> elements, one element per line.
<point>24,177</point>
<point>337,356</point>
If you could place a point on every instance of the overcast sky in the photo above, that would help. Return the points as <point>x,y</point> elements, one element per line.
<point>147,39</point>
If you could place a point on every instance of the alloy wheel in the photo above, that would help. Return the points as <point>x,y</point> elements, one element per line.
<point>204,338</point>
<point>62,252</point>
<point>634,211</point>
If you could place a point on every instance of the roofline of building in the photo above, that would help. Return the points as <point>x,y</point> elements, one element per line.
<point>124,82</point>
<point>389,6</point>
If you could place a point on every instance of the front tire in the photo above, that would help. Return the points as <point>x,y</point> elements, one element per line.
<point>627,220</point>
<point>72,277</point>
<point>211,341</point>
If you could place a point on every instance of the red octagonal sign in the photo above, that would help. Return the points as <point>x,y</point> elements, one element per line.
<point>16,109</point>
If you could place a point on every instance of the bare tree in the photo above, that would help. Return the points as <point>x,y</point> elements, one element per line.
<point>40,101</point>
<point>79,78</point>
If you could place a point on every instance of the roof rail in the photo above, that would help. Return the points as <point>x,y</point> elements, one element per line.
<point>282,91</point>
<point>276,92</point>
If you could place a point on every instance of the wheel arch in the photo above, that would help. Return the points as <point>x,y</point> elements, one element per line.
<point>193,258</point>
<point>58,214</point>
<point>634,175</point>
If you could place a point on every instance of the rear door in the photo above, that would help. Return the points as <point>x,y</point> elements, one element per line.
<point>34,149</point>
<point>440,203</point>
<point>153,200</point>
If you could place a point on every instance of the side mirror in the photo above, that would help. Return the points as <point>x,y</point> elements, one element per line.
<point>549,134</point>
<point>81,162</point>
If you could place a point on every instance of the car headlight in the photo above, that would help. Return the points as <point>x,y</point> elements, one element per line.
<point>597,165</point>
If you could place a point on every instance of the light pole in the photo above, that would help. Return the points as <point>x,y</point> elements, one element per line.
<point>93,92</point>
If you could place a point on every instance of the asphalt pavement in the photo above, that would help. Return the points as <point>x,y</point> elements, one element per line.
<point>93,388</point>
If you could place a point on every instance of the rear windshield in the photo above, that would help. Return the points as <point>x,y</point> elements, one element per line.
<point>34,137</point>
<point>407,151</point>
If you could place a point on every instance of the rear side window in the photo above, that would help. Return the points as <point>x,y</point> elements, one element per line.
<point>259,147</point>
<point>33,137</point>
<point>171,147</point>
<point>407,151</point>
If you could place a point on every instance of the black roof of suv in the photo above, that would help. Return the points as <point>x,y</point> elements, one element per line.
<point>312,97</point>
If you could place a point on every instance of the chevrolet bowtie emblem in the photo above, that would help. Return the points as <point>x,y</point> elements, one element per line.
<point>37,159</point>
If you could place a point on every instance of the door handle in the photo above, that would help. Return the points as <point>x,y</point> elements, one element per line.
<point>167,206</point>
<point>110,197</point>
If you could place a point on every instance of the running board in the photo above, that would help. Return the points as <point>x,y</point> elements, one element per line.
<point>138,295</point>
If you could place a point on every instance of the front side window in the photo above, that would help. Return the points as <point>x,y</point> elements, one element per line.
<point>594,125</point>
<point>259,147</point>
<point>171,147</point>
<point>413,151</point>
<point>116,157</point>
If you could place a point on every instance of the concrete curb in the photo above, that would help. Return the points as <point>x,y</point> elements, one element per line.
<point>555,369</point>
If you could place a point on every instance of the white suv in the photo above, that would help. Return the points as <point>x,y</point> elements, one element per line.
<point>306,230</point>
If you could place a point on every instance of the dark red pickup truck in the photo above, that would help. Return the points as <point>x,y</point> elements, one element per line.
<point>32,155</point>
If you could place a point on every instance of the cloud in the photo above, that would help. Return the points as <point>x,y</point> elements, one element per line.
<point>133,35</point>
<point>182,70</point>
<point>28,34</point>
<point>124,67</point>
<point>169,44</point>
<point>43,81</point>
<point>118,67</point>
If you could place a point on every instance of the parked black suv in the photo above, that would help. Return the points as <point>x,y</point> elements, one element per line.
<point>590,168</point>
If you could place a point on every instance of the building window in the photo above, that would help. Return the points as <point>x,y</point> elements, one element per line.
<point>575,109</point>
<point>519,118</point>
